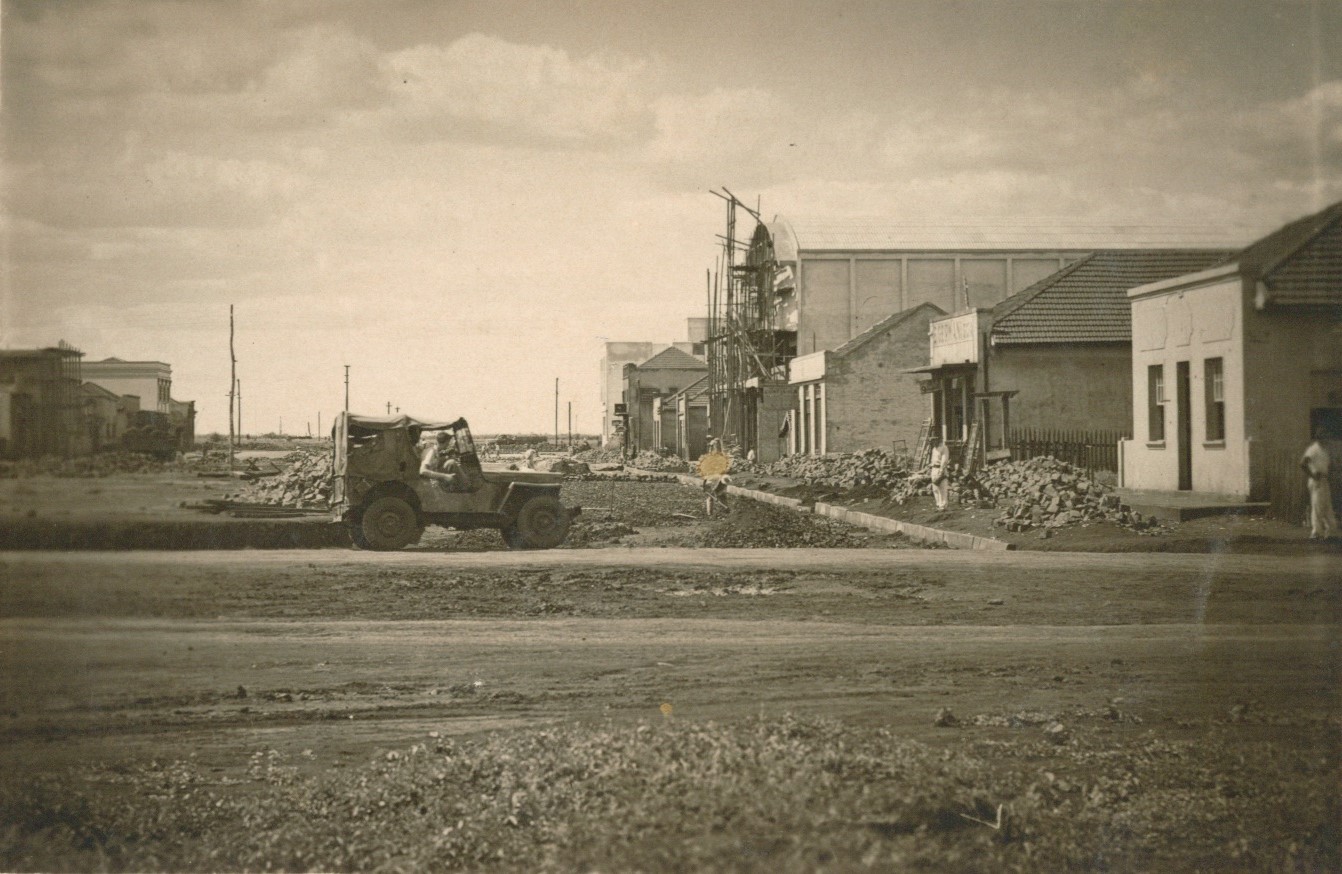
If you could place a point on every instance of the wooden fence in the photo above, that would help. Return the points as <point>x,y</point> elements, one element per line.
<point>1090,450</point>
<point>1281,481</point>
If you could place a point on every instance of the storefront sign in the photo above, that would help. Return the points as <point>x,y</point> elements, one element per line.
<point>955,340</point>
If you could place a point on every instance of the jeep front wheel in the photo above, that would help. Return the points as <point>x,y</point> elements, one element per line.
<point>389,523</point>
<point>542,523</point>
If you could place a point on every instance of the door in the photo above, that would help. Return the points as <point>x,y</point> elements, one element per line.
<point>1183,399</point>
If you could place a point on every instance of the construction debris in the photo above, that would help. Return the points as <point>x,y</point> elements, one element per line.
<point>852,470</point>
<point>303,480</point>
<point>1045,493</point>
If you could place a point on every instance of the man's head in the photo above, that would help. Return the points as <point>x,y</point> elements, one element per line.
<point>444,438</point>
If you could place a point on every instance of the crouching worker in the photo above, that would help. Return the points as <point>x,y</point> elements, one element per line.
<point>716,491</point>
<point>440,463</point>
<point>713,467</point>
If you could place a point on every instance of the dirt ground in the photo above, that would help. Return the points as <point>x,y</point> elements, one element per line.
<point>1228,533</point>
<point>115,662</point>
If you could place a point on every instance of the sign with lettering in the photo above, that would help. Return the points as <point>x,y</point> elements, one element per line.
<point>955,340</point>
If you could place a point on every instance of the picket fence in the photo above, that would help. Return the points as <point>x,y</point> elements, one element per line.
<point>1089,450</point>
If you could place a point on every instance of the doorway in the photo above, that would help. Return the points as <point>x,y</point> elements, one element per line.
<point>1183,400</point>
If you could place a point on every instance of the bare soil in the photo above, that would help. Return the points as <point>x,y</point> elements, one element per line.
<point>1070,668</point>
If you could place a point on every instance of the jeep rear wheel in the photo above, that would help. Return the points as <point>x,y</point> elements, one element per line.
<point>389,523</point>
<point>542,523</point>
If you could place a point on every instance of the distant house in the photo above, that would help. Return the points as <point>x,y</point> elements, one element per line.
<point>858,395</point>
<point>40,409</point>
<point>151,382</point>
<point>646,384</point>
<point>1054,357</point>
<point>1232,365</point>
<point>617,354</point>
<point>107,415</point>
<point>684,420</point>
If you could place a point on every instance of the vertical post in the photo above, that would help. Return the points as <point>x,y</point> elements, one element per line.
<point>232,385</point>
<point>239,410</point>
<point>570,426</point>
<point>319,424</point>
<point>556,411</point>
<point>346,389</point>
<point>388,408</point>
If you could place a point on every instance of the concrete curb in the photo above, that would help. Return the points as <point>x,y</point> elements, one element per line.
<point>920,533</point>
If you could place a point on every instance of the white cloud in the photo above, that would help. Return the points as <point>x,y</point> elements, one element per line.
<point>484,87</point>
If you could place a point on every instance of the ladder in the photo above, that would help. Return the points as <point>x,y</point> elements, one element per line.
<point>924,444</point>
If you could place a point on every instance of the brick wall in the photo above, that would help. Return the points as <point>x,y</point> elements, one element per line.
<point>870,401</point>
<point>1077,387</point>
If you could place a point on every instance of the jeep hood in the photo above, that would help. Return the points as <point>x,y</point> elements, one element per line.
<point>503,475</point>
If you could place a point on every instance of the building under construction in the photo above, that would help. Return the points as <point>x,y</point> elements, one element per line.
<point>752,335</point>
<point>40,402</point>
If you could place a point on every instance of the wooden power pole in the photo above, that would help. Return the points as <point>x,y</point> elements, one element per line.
<point>232,385</point>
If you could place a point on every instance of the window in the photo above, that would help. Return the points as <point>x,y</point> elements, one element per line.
<point>1155,403</point>
<point>1213,374</point>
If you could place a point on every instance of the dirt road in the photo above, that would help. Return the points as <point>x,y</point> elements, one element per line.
<point>128,656</point>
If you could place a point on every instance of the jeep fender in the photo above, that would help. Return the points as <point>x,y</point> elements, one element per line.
<point>519,493</point>
<point>387,489</point>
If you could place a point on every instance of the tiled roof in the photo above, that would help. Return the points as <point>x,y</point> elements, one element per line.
<point>1087,302</point>
<point>876,234</point>
<point>1301,263</point>
<point>672,358</point>
<point>883,326</point>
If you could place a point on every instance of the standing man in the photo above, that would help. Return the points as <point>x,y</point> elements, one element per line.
<point>940,472</point>
<point>1315,462</point>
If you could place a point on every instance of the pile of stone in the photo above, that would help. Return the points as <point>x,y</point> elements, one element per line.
<point>601,455</point>
<point>646,460</point>
<point>870,467</point>
<point>563,465</point>
<point>304,481</point>
<point>1045,493</point>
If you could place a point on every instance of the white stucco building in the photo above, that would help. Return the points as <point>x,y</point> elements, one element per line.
<point>1233,366</point>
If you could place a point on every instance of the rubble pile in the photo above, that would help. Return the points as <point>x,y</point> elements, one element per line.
<point>751,525</point>
<point>304,480</point>
<point>601,455</point>
<point>870,467</point>
<point>646,460</point>
<point>1046,493</point>
<point>87,466</point>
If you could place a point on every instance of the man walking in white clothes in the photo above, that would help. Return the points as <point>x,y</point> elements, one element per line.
<point>1322,520</point>
<point>940,472</point>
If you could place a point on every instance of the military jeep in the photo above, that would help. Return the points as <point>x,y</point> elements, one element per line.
<point>378,491</point>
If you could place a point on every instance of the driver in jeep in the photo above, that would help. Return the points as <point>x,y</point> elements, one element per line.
<point>439,463</point>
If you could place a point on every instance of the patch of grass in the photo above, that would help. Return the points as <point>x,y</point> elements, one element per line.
<point>781,795</point>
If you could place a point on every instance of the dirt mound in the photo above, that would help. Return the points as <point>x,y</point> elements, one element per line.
<point>87,466</point>
<point>752,525</point>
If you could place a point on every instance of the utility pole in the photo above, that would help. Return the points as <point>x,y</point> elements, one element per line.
<point>556,411</point>
<point>570,426</point>
<point>239,410</point>
<point>232,384</point>
<point>346,389</point>
<point>388,408</point>
<point>319,424</point>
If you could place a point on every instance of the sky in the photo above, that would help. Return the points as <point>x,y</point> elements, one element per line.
<point>462,201</point>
